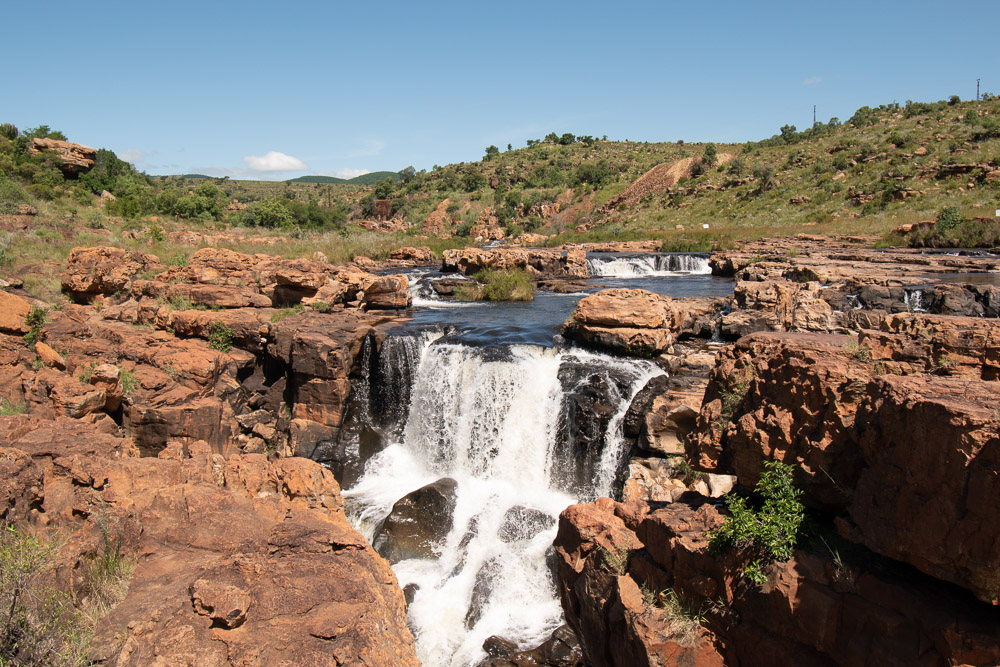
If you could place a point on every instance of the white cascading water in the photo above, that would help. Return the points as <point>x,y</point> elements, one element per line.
<point>641,266</point>
<point>488,418</point>
<point>913,299</point>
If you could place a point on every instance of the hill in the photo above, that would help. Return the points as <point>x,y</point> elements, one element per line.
<point>373,177</point>
<point>317,179</point>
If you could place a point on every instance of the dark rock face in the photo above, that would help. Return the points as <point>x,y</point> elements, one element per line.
<point>418,521</point>
<point>562,649</point>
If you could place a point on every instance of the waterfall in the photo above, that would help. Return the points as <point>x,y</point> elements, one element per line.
<point>639,266</point>
<point>913,298</point>
<point>517,427</point>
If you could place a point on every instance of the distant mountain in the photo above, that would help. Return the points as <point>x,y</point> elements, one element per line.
<point>196,176</point>
<point>373,178</point>
<point>364,179</point>
<point>317,179</point>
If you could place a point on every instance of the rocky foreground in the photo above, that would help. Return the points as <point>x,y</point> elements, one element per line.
<point>193,414</point>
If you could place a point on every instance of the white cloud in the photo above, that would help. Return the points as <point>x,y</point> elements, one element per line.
<point>347,173</point>
<point>811,80</point>
<point>133,155</point>
<point>274,161</point>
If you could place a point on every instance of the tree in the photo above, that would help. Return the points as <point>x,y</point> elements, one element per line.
<point>509,146</point>
<point>764,173</point>
<point>383,189</point>
<point>407,174</point>
<point>8,131</point>
<point>710,156</point>
<point>491,152</point>
<point>552,138</point>
<point>566,139</point>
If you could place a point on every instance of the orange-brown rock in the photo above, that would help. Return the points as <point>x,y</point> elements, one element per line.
<point>72,159</point>
<point>104,270</point>
<point>49,356</point>
<point>909,456</point>
<point>13,310</point>
<point>422,254</point>
<point>238,561</point>
<point>812,610</point>
<point>636,321</point>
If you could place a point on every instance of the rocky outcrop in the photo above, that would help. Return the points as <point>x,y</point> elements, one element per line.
<point>236,561</point>
<point>874,431</point>
<point>219,278</point>
<point>418,523</point>
<point>812,610</point>
<point>72,159</point>
<point>550,262</point>
<point>13,310</point>
<point>105,270</point>
<point>635,321</point>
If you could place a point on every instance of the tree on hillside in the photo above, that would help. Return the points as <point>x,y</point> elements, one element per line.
<point>383,189</point>
<point>552,138</point>
<point>8,131</point>
<point>407,174</point>
<point>566,139</point>
<point>491,152</point>
<point>710,156</point>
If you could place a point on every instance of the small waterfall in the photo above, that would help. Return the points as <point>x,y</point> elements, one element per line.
<point>640,266</point>
<point>518,427</point>
<point>853,301</point>
<point>913,298</point>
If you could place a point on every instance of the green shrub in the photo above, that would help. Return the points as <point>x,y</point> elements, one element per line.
<point>764,173</point>
<point>38,625</point>
<point>9,408</point>
<point>35,320</point>
<point>766,534</point>
<point>12,195</point>
<point>948,218</point>
<point>127,381</point>
<point>220,337</point>
<point>498,285</point>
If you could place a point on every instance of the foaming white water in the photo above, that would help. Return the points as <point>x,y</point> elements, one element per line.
<point>641,266</point>
<point>489,419</point>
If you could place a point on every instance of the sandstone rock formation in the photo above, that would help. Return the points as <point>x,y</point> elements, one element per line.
<point>636,321</point>
<point>910,455</point>
<point>236,561</point>
<point>813,609</point>
<point>72,159</point>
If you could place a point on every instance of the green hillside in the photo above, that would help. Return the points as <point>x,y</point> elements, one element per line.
<point>317,179</point>
<point>373,177</point>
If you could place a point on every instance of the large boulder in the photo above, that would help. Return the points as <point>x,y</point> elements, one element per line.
<point>418,522</point>
<point>72,159</point>
<point>104,270</point>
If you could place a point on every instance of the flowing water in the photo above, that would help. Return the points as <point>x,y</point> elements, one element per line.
<point>487,395</point>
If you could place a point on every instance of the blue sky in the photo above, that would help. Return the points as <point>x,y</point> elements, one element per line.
<point>277,90</point>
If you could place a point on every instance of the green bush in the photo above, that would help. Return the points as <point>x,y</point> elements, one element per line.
<point>12,195</point>
<point>948,218</point>
<point>764,173</point>
<point>35,320</point>
<point>38,625</point>
<point>768,533</point>
<point>498,285</point>
<point>220,337</point>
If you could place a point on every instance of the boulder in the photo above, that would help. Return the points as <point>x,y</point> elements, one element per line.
<point>13,310</point>
<point>72,159</point>
<point>418,522</point>
<point>103,270</point>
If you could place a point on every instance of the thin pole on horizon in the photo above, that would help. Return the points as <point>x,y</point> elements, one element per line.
<point>814,115</point>
<point>977,90</point>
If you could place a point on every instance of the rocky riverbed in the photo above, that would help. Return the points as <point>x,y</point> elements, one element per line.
<point>208,410</point>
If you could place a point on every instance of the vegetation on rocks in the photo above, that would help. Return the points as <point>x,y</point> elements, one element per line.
<point>766,533</point>
<point>498,285</point>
